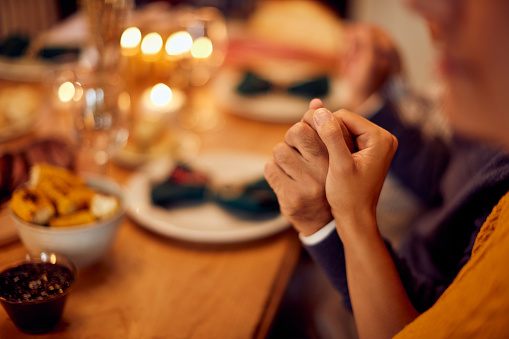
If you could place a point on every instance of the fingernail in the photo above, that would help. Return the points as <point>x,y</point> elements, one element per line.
<point>321,116</point>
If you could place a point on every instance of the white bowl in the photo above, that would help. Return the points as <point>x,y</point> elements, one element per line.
<point>83,244</point>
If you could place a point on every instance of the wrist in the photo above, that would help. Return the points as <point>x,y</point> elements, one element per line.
<point>319,235</point>
<point>308,228</point>
<point>356,227</point>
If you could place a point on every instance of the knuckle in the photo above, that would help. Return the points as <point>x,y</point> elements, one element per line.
<point>394,143</point>
<point>308,116</point>
<point>312,145</point>
<point>271,175</point>
<point>293,203</point>
<point>282,154</point>
<point>390,140</point>
<point>315,190</point>
<point>296,132</point>
<point>268,170</point>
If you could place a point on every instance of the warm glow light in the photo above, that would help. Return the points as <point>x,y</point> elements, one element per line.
<point>66,91</point>
<point>151,44</point>
<point>53,258</point>
<point>130,38</point>
<point>160,95</point>
<point>178,43</point>
<point>202,48</point>
<point>124,102</point>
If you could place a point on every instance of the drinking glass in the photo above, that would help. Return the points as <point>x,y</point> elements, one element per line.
<point>198,46</point>
<point>99,123</point>
<point>106,20</point>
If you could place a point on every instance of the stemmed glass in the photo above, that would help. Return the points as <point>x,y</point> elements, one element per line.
<point>98,122</point>
<point>198,45</point>
<point>106,19</point>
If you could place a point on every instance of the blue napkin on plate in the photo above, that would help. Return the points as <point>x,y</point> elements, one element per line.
<point>186,186</point>
<point>252,84</point>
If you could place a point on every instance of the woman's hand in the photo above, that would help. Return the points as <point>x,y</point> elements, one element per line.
<point>354,180</point>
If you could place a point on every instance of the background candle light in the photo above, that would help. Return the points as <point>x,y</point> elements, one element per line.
<point>130,41</point>
<point>158,100</point>
<point>202,48</point>
<point>66,91</point>
<point>151,46</point>
<point>161,95</point>
<point>179,43</point>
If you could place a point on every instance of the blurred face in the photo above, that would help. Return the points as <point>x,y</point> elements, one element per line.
<point>473,41</point>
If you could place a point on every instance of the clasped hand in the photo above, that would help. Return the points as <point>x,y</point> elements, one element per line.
<point>316,177</point>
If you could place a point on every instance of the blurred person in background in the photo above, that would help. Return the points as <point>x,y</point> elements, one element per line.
<point>461,180</point>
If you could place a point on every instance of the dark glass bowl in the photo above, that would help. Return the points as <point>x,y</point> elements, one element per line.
<point>33,291</point>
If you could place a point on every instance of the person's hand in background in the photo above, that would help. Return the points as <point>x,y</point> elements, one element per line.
<point>368,61</point>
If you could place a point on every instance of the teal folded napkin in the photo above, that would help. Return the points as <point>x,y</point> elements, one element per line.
<point>186,186</point>
<point>14,46</point>
<point>252,84</point>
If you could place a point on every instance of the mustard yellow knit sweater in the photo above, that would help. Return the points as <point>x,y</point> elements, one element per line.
<point>476,304</point>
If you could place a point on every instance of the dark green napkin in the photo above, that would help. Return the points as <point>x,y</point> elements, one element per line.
<point>253,84</point>
<point>185,186</point>
<point>14,46</point>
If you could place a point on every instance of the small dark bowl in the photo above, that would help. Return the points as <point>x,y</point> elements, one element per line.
<point>33,291</point>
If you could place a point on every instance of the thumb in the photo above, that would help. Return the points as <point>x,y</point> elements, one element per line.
<point>329,130</point>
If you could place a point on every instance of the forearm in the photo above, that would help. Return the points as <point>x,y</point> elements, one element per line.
<point>380,304</point>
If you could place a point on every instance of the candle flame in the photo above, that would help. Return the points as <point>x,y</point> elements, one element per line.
<point>66,91</point>
<point>130,38</point>
<point>178,43</point>
<point>151,44</point>
<point>161,95</point>
<point>202,48</point>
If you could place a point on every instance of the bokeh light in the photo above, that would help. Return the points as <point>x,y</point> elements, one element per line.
<point>179,43</point>
<point>202,48</point>
<point>161,94</point>
<point>66,91</point>
<point>130,38</point>
<point>151,44</point>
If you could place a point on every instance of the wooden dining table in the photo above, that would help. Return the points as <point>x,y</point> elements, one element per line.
<point>153,286</point>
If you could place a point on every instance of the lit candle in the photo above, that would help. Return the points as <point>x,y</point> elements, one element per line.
<point>157,101</point>
<point>156,106</point>
<point>202,48</point>
<point>151,45</point>
<point>130,41</point>
<point>179,43</point>
<point>66,91</point>
<point>67,94</point>
<point>160,97</point>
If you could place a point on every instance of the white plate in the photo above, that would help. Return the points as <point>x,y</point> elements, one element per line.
<point>207,223</point>
<point>18,128</point>
<point>272,107</point>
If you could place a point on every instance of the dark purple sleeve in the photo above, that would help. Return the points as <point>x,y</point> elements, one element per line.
<point>417,156</point>
<point>329,255</point>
